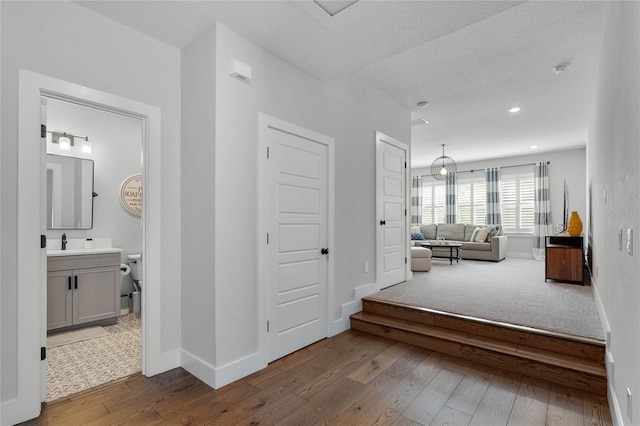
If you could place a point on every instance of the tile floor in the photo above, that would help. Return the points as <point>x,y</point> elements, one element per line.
<point>79,366</point>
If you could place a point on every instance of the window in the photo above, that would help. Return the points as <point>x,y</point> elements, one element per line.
<point>433,202</point>
<point>516,201</point>
<point>472,201</point>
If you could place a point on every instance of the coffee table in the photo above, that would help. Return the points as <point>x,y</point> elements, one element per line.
<point>450,244</point>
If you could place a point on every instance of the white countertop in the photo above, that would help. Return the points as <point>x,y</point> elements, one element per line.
<point>76,247</point>
<point>81,251</point>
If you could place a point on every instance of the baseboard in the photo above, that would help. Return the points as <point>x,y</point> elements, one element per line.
<point>349,308</point>
<point>519,255</point>
<point>164,362</point>
<point>220,376</point>
<point>614,405</point>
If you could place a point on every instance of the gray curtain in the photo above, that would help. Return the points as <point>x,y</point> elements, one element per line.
<point>416,200</point>
<point>542,209</point>
<point>494,216</point>
<point>451,203</point>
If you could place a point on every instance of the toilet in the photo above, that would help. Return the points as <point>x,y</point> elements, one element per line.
<point>135,263</point>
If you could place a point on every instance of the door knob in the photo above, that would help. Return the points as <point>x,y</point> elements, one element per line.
<point>383,222</point>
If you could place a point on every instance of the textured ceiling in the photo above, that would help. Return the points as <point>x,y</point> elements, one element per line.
<point>471,60</point>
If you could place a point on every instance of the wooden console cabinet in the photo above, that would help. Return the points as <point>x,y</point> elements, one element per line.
<point>564,258</point>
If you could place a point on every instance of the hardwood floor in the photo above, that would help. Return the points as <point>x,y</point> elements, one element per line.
<point>352,378</point>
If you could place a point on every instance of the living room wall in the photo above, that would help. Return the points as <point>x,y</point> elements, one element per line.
<point>565,165</point>
<point>613,155</point>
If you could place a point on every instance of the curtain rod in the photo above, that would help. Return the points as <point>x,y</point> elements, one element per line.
<point>479,170</point>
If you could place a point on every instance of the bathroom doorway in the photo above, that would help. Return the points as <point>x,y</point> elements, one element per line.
<point>84,214</point>
<point>31,324</point>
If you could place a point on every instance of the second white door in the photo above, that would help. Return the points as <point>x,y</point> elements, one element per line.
<point>297,248</point>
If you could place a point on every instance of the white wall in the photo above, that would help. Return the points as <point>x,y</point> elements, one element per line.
<point>65,41</point>
<point>343,110</point>
<point>613,156</point>
<point>116,153</point>
<point>565,165</point>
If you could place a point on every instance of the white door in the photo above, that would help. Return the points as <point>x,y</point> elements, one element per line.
<point>391,200</point>
<point>297,251</point>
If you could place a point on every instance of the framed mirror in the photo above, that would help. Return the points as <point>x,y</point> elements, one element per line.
<point>69,192</point>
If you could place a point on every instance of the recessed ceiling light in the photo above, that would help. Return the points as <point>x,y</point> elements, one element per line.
<point>514,109</point>
<point>535,146</point>
<point>422,104</point>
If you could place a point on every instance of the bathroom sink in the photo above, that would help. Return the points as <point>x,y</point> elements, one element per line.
<point>81,251</point>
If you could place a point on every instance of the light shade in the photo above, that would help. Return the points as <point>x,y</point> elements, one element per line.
<point>64,142</point>
<point>442,166</point>
<point>86,145</point>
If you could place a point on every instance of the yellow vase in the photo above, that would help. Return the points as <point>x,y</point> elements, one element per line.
<point>575,225</point>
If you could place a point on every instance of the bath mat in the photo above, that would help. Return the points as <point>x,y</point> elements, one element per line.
<point>74,336</point>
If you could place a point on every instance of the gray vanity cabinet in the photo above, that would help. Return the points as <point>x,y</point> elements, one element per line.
<point>82,289</point>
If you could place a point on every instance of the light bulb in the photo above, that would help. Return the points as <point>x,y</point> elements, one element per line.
<point>64,142</point>
<point>86,146</point>
<point>443,171</point>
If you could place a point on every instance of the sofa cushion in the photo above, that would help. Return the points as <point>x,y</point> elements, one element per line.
<point>429,231</point>
<point>451,231</point>
<point>469,245</point>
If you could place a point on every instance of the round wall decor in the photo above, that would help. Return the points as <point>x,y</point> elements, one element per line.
<point>131,195</point>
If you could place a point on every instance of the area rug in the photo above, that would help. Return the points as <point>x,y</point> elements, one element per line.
<point>512,291</point>
<point>86,364</point>
<point>75,336</point>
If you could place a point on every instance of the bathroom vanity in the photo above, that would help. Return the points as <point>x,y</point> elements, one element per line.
<point>83,287</point>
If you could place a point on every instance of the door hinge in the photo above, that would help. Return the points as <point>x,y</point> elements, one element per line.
<point>43,131</point>
<point>405,212</point>
<point>43,353</point>
<point>267,326</point>
<point>405,164</point>
<point>43,241</point>
<point>405,260</point>
<point>267,238</point>
<point>267,152</point>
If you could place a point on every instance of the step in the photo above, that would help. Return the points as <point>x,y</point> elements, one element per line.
<point>576,372</point>
<point>590,349</point>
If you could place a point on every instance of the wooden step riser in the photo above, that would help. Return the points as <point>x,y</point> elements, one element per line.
<point>575,348</point>
<point>551,373</point>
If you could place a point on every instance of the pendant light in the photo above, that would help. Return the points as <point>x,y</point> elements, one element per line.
<point>442,166</point>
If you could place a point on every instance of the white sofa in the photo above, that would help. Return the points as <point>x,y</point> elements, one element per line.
<point>494,248</point>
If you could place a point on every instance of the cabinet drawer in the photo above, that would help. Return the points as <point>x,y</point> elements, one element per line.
<point>58,263</point>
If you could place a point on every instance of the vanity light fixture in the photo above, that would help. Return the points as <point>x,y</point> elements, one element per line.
<point>66,141</point>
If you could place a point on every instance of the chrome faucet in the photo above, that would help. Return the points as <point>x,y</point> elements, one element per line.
<point>64,241</point>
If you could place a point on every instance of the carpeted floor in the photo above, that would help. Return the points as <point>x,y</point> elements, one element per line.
<point>512,291</point>
<point>74,367</point>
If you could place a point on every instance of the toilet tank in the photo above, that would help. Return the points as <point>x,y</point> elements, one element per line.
<point>135,263</point>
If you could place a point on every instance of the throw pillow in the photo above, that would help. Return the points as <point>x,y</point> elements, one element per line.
<point>493,231</point>
<point>481,237</point>
<point>415,229</point>
<point>475,234</point>
<point>417,236</point>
